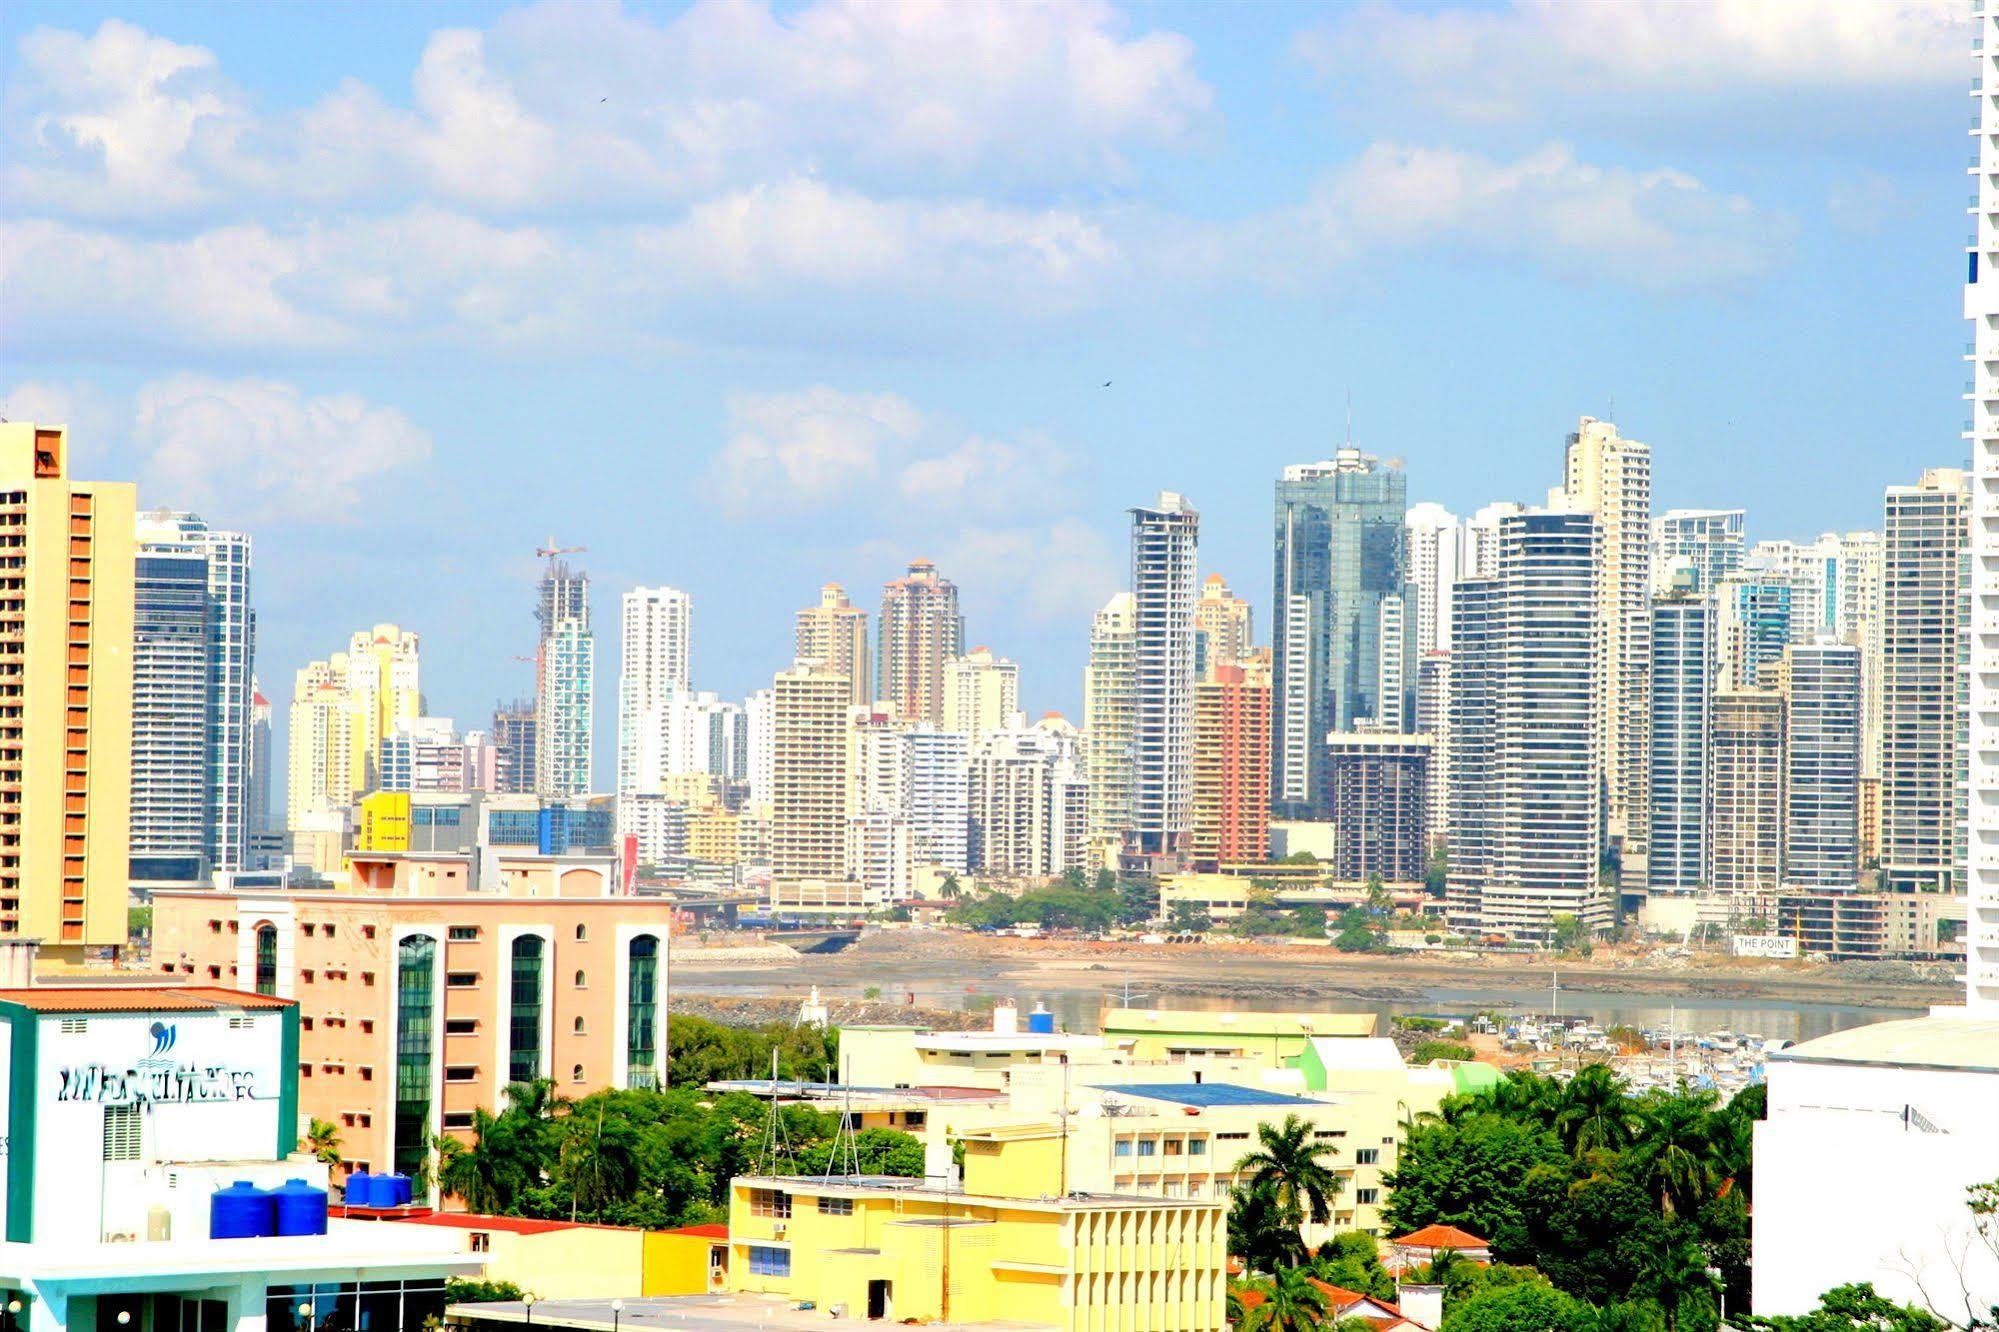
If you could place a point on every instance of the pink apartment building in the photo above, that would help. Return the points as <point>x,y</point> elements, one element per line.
<point>420,1000</point>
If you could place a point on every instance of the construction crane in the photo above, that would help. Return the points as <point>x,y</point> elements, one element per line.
<point>551,550</point>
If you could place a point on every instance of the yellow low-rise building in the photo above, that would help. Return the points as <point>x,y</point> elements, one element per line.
<point>1272,1039</point>
<point>564,1260</point>
<point>925,1251</point>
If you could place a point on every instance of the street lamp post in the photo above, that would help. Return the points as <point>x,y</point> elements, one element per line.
<point>13,1313</point>
<point>527,1302</point>
<point>617,1310</point>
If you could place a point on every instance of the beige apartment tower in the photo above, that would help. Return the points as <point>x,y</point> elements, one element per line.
<point>1745,791</point>
<point>66,568</point>
<point>809,774</point>
<point>1611,477</point>
<point>835,634</point>
<point>920,630</point>
<point>1223,628</point>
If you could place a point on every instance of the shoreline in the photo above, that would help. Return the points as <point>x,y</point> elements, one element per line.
<point>891,959</point>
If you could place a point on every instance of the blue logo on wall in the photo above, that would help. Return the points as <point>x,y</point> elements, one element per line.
<point>163,1039</point>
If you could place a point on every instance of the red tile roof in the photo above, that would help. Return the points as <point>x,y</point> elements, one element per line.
<point>137,999</point>
<point>1441,1237</point>
<point>705,1232</point>
<point>511,1225</point>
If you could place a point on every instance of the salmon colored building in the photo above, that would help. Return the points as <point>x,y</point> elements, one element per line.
<point>420,1002</point>
<point>1232,767</point>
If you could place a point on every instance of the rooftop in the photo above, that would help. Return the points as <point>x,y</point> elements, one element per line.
<point>355,1244</point>
<point>1955,1042</point>
<point>137,999</point>
<point>1238,1022</point>
<point>859,1186</point>
<point>684,1313</point>
<point>1440,1237</point>
<point>1207,1095</point>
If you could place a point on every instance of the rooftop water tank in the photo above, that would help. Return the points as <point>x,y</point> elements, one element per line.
<point>301,1208</point>
<point>399,1191</point>
<point>241,1211</point>
<point>1041,1022</point>
<point>359,1191</point>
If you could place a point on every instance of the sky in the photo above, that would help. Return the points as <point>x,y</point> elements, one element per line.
<point>745,298</point>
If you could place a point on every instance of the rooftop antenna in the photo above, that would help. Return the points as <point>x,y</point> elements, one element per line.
<point>845,1157</point>
<point>1350,418</point>
<point>776,1145</point>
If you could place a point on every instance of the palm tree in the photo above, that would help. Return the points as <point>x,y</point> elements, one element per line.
<point>477,1174</point>
<point>1258,1231</point>
<point>1290,1303</point>
<point>1290,1162</point>
<point>1678,1278</point>
<point>1676,1150</point>
<point>322,1139</point>
<point>1595,1113</point>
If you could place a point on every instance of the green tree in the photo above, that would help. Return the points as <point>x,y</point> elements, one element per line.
<point>1190,918</point>
<point>1596,1112</point>
<point>1425,1051</point>
<point>1488,1172</point>
<point>1294,1164</point>
<point>1848,1309</point>
<point>1290,1303</point>
<point>1569,932</point>
<point>1680,1151</point>
<point>467,1290</point>
<point>1678,1281</point>
<point>1259,1233</point>
<point>1351,1260</point>
<point>950,890</point>
<point>322,1139</point>
<point>1529,1307</point>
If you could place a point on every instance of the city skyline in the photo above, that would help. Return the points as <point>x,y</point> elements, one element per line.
<point>1019,459</point>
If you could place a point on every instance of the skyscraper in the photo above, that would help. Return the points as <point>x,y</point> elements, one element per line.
<point>513,737</point>
<point>981,692</point>
<point>1436,562</point>
<point>66,598</point>
<point>921,629</point>
<point>1753,618</point>
<point>1821,686</point>
<point>1682,682</point>
<point>1527,793</point>
<point>193,655</point>
<point>655,638</point>
<point>1341,551</point>
<point>1164,539</point>
<point>1812,570</point>
<point>1480,556</point>
<point>1223,628</point>
<point>1231,768</point>
<point>565,682</point>
<point>1923,605</point>
<point>1027,801</point>
<point>1378,805</point>
<point>835,634</point>
<point>342,708</point>
<point>1982,567</point>
<point>809,773</point>
<point>1610,476</point>
<point>1110,710</point>
<point>1706,542</point>
<point>1745,791</point>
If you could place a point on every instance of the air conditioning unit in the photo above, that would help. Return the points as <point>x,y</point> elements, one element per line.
<point>777,1231</point>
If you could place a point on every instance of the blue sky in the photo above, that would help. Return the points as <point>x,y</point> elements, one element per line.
<point>747,298</point>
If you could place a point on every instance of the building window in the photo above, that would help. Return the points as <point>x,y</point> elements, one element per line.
<point>642,1012</point>
<point>461,980</point>
<point>524,1020</point>
<point>482,1242</point>
<point>416,972</point>
<point>581,982</point>
<point>1197,1146</point>
<point>1172,1146</point>
<point>121,1132</point>
<point>576,1073</point>
<point>582,933</point>
<point>1123,1147</point>
<point>770,1202</point>
<point>267,959</point>
<point>836,1206</point>
<point>1147,1147</point>
<point>461,1073</point>
<point>458,1119</point>
<point>768,1260</point>
<point>1367,1156</point>
<point>462,933</point>
<point>461,1026</point>
<point>577,1026</point>
<point>1367,1197</point>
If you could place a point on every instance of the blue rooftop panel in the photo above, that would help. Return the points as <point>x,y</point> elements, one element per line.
<point>1205,1094</point>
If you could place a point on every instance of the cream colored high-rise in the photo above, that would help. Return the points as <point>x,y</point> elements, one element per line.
<point>1223,628</point>
<point>1611,477</point>
<point>981,692</point>
<point>921,629</point>
<point>835,634</point>
<point>1110,708</point>
<point>66,591</point>
<point>810,758</point>
<point>342,707</point>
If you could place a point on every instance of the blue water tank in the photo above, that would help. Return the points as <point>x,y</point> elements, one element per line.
<point>359,1190</point>
<point>241,1211</point>
<point>399,1190</point>
<point>1041,1022</point>
<point>301,1208</point>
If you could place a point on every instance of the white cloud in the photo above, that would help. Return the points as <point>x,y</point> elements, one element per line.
<point>259,450</point>
<point>809,450</point>
<point>582,111</point>
<point>1062,570</point>
<point>1537,55</point>
<point>1659,229</point>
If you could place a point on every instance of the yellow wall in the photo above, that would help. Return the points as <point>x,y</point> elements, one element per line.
<point>68,797</point>
<point>385,822</point>
<point>588,1262</point>
<point>1277,1037</point>
<point>677,1264</point>
<point>1078,1266</point>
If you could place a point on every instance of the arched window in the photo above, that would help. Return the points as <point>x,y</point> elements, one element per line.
<point>576,1073</point>
<point>524,1024</point>
<point>581,984</point>
<point>582,933</point>
<point>642,1013</point>
<point>416,976</point>
<point>577,1026</point>
<point>267,958</point>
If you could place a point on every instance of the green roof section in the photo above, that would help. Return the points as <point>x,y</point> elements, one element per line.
<point>1467,1078</point>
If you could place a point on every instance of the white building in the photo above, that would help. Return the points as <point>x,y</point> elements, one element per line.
<point>1164,540</point>
<point>657,825</point>
<point>1436,557</point>
<point>655,638</point>
<point>1981,306</point>
<point>129,1108</point>
<point>1029,801</point>
<point>1705,542</point>
<point>980,692</point>
<point>1914,1105</point>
